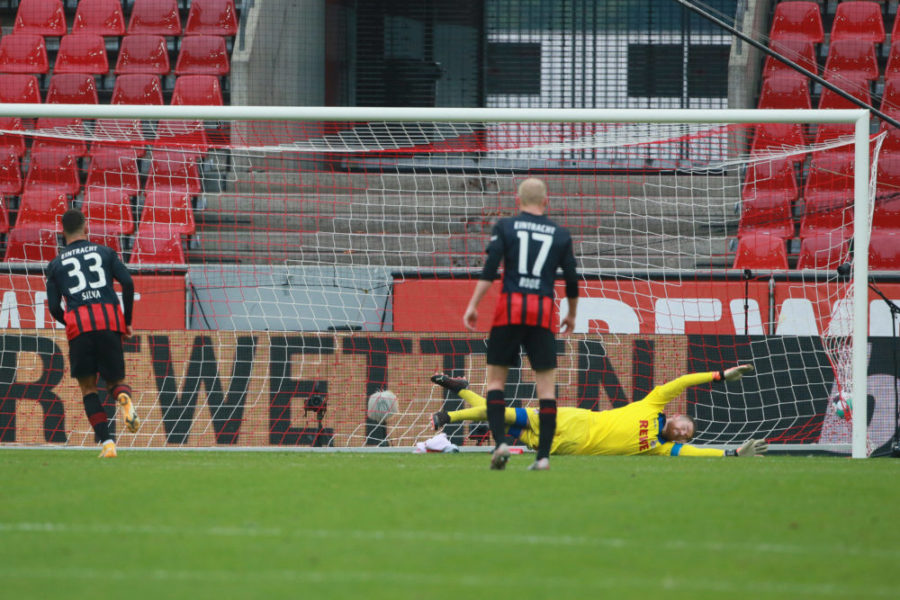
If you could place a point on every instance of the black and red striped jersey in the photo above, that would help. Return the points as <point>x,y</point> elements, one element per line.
<point>83,274</point>
<point>532,249</point>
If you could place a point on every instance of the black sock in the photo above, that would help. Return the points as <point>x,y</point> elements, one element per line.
<point>547,422</point>
<point>496,407</point>
<point>97,417</point>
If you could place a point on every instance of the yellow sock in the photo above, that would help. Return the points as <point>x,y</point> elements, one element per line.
<point>476,413</point>
<point>472,399</point>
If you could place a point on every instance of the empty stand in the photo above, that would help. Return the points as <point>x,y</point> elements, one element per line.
<point>82,53</point>
<point>830,99</point>
<point>19,88</point>
<point>212,17</point>
<point>858,20</point>
<point>108,211</point>
<point>157,244</point>
<point>10,172</point>
<point>174,171</point>
<point>53,169</point>
<point>138,88</point>
<point>770,189</point>
<point>143,54</point>
<point>203,55</point>
<point>802,52</point>
<point>4,217</point>
<point>761,251</point>
<point>892,70</point>
<point>10,142</point>
<point>40,17</point>
<point>886,213</point>
<point>884,251</point>
<point>110,170</point>
<point>771,138</point>
<point>100,17</point>
<point>30,243</point>
<point>828,195</point>
<point>186,136</point>
<point>157,17</point>
<point>23,53</point>
<point>890,98</point>
<point>118,137</point>
<point>170,208</point>
<point>797,20</point>
<point>852,59</point>
<point>203,90</point>
<point>785,91</point>
<point>824,251</point>
<point>42,208</point>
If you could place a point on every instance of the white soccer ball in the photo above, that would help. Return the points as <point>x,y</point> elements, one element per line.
<point>382,405</point>
<point>843,407</point>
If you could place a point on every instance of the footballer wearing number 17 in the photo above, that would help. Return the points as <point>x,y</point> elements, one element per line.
<point>532,248</point>
<point>83,274</point>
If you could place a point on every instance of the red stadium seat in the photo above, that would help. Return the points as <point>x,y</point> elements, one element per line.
<point>155,17</point>
<point>4,217</point>
<point>40,17</point>
<point>82,53</point>
<point>202,55</point>
<point>174,171</point>
<point>66,135</point>
<point>202,90</point>
<point>826,132</point>
<point>801,52</point>
<point>10,173</point>
<point>828,195</point>
<point>31,243</point>
<point>852,59</point>
<point>761,251</point>
<point>157,244</point>
<point>884,251</point>
<point>42,208</point>
<point>19,89</point>
<point>785,91</point>
<point>797,21</point>
<point>110,170</point>
<point>138,88</point>
<point>890,98</point>
<point>53,170</point>
<point>108,211</point>
<point>72,88</point>
<point>858,21</point>
<point>824,251</point>
<point>886,214</point>
<point>100,17</point>
<point>11,142</point>
<point>186,136</point>
<point>143,54</point>
<point>168,207</point>
<point>212,17</point>
<point>119,137</point>
<point>771,138</point>
<point>23,53</point>
<point>770,189</point>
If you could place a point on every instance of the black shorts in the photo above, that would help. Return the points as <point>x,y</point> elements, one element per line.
<point>505,341</point>
<point>97,352</point>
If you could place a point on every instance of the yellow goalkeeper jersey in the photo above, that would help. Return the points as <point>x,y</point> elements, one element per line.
<point>631,429</point>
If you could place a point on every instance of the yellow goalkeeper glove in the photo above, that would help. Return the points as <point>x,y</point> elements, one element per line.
<point>749,448</point>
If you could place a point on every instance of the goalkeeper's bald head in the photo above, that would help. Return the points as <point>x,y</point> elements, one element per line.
<point>533,194</point>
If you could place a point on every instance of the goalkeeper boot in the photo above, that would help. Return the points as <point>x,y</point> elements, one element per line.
<point>132,422</point>
<point>439,419</point>
<point>500,457</point>
<point>108,449</point>
<point>454,384</point>
<point>541,464</point>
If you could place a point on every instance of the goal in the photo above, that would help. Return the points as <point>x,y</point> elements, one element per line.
<point>292,263</point>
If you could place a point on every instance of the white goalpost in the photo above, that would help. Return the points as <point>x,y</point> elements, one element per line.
<point>294,261</point>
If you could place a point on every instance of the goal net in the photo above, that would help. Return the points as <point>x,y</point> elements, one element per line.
<point>299,279</point>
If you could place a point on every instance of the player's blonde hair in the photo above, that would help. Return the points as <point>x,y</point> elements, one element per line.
<point>532,192</point>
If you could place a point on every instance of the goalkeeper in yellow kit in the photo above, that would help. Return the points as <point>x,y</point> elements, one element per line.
<point>638,428</point>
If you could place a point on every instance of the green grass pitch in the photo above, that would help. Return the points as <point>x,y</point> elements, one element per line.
<point>301,525</point>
